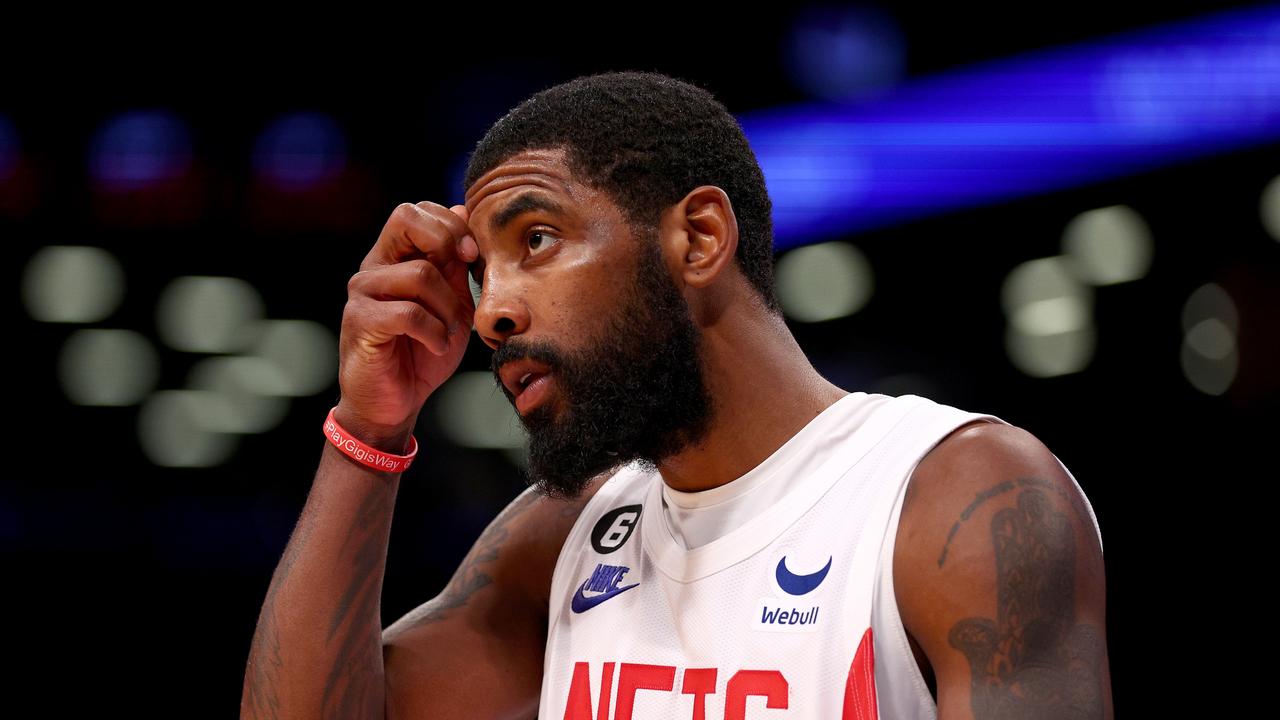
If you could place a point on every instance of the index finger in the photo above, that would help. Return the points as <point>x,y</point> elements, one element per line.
<point>424,228</point>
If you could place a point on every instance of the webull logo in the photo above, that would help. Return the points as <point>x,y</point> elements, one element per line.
<point>786,617</point>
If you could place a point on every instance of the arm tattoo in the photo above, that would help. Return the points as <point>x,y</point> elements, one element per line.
<point>349,690</point>
<point>265,661</point>
<point>470,577</point>
<point>358,656</point>
<point>1004,487</point>
<point>1033,660</point>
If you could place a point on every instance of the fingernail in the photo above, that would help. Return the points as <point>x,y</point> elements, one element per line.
<point>469,249</point>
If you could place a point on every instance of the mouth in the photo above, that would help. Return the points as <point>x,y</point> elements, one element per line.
<point>535,387</point>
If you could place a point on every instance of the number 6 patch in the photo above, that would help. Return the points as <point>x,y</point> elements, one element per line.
<point>614,528</point>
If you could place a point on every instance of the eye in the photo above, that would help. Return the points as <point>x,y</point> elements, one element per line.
<point>541,244</point>
<point>475,272</point>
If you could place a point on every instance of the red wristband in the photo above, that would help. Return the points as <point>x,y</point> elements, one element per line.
<point>371,456</point>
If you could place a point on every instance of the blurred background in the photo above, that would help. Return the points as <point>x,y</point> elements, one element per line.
<point>1067,216</point>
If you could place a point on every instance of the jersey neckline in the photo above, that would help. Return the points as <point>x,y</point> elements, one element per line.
<point>682,565</point>
<point>768,468</point>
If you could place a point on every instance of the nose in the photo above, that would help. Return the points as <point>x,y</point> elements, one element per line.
<point>500,313</point>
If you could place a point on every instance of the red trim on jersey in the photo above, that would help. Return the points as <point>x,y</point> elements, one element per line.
<point>860,689</point>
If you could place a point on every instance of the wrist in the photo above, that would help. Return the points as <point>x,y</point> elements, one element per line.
<point>394,439</point>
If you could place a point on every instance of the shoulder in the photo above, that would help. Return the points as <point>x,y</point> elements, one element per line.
<point>999,576</point>
<point>531,532</point>
<point>489,622</point>
<point>508,569</point>
<point>981,466</point>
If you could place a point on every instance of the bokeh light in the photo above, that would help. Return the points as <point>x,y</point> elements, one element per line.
<point>173,430</point>
<point>72,284</point>
<point>844,54</point>
<point>300,150</point>
<point>139,148</point>
<point>824,281</point>
<point>107,367</point>
<point>1209,356</point>
<point>208,314</point>
<point>1108,245</point>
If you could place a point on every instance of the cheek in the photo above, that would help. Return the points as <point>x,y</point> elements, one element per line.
<point>587,286</point>
<point>579,292</point>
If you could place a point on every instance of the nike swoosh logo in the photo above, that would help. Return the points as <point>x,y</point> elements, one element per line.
<point>799,584</point>
<point>581,603</point>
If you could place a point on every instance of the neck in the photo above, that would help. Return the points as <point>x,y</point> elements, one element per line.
<point>764,390</point>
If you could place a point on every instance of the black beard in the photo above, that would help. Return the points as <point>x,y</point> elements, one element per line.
<point>636,393</point>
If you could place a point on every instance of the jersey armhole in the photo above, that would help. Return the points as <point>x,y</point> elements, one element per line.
<point>605,490</point>
<point>894,660</point>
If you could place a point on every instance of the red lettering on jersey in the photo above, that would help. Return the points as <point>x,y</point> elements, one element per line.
<point>579,705</point>
<point>606,691</point>
<point>769,683</point>
<point>860,689</point>
<point>633,677</point>
<point>699,682</point>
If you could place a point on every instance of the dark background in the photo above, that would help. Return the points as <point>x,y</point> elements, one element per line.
<point>138,586</point>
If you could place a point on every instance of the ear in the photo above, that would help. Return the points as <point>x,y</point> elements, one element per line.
<point>702,235</point>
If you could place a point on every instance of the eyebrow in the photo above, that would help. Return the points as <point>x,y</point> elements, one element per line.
<point>527,202</point>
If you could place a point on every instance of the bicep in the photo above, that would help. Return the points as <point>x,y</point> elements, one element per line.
<point>476,649</point>
<point>482,662</point>
<point>999,577</point>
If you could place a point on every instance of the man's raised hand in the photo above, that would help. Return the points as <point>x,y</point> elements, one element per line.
<point>407,320</point>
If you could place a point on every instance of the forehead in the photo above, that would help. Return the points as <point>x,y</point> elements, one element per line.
<point>528,170</point>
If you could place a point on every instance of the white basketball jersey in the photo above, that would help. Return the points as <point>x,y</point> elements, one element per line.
<point>791,614</point>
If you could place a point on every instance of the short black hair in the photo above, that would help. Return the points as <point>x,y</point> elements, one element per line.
<point>645,139</point>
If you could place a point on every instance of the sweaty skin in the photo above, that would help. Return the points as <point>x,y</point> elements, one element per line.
<point>762,386</point>
<point>966,618</point>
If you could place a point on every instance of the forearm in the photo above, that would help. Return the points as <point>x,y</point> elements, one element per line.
<point>317,649</point>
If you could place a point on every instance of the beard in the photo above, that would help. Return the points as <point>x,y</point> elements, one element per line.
<point>634,393</point>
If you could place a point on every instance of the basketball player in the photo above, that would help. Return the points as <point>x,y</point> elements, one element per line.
<point>713,529</point>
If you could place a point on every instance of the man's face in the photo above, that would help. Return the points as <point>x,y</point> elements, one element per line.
<point>598,306</point>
